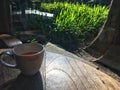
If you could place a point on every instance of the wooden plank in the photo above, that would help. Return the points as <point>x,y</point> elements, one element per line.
<point>60,72</point>
<point>64,73</point>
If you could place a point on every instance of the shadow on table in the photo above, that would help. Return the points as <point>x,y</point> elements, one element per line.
<point>23,82</point>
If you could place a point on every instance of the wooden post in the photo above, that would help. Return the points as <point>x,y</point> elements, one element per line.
<point>5,17</point>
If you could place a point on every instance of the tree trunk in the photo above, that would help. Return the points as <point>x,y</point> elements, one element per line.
<point>109,33</point>
<point>106,46</point>
<point>5,18</point>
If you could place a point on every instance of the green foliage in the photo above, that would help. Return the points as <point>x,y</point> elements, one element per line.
<point>35,0</point>
<point>39,22</point>
<point>52,7</point>
<point>32,41</point>
<point>71,22</point>
<point>75,21</point>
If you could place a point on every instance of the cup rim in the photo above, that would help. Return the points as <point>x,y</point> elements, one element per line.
<point>27,44</point>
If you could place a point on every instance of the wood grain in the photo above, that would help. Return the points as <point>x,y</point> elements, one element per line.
<point>64,73</point>
<point>60,72</point>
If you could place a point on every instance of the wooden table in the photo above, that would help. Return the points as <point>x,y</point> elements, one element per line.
<point>59,72</point>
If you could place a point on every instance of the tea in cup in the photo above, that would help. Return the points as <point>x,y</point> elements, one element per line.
<point>28,57</point>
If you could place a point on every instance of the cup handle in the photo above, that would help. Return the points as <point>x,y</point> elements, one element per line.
<point>2,59</point>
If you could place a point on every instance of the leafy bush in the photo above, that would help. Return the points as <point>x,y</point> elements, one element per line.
<point>75,21</point>
<point>52,7</point>
<point>39,22</point>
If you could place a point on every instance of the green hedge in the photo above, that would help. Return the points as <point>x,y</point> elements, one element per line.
<point>75,21</point>
<point>72,23</point>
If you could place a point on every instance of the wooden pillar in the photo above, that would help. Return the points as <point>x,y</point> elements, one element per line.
<point>5,17</point>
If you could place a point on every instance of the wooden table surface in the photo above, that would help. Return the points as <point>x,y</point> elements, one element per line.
<point>59,72</point>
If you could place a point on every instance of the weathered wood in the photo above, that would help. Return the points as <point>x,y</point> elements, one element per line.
<point>60,72</point>
<point>64,73</point>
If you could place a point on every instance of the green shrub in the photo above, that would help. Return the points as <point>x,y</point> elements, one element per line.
<point>39,22</point>
<point>52,7</point>
<point>71,22</point>
<point>75,21</point>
